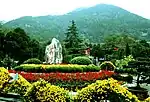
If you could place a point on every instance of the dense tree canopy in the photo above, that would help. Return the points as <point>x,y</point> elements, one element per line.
<point>117,46</point>
<point>17,45</point>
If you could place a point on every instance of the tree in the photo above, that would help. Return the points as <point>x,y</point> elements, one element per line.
<point>142,66</point>
<point>140,49</point>
<point>127,50</point>
<point>73,43</point>
<point>97,51</point>
<point>2,39</point>
<point>34,45</point>
<point>17,40</point>
<point>72,38</point>
<point>121,42</point>
<point>144,43</point>
<point>19,46</point>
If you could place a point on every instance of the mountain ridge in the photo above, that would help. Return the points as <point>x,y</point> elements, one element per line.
<point>94,23</point>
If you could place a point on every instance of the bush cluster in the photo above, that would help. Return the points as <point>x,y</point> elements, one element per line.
<point>32,61</point>
<point>39,68</point>
<point>147,100</point>
<point>81,60</point>
<point>19,86</point>
<point>42,91</point>
<point>106,89</point>
<point>4,78</point>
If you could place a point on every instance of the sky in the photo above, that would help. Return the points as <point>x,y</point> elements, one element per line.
<point>12,9</point>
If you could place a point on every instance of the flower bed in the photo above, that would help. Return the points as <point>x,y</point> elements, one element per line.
<point>86,76</point>
<point>70,81</point>
<point>43,91</point>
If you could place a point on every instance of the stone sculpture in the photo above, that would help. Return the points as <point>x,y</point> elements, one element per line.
<point>53,52</point>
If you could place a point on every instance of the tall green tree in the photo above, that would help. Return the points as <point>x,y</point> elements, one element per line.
<point>2,39</point>
<point>72,39</point>
<point>73,43</point>
<point>127,50</point>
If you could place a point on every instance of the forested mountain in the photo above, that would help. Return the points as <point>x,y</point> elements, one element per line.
<point>93,23</point>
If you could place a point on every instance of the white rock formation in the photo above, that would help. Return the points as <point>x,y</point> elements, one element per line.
<point>53,52</point>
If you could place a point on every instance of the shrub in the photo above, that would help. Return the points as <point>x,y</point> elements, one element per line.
<point>42,91</point>
<point>107,65</point>
<point>124,62</point>
<point>81,61</point>
<point>32,61</point>
<point>147,100</point>
<point>106,89</point>
<point>8,62</point>
<point>4,78</point>
<point>19,86</point>
<point>39,68</point>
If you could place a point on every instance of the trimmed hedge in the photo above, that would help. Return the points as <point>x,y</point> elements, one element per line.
<point>81,60</point>
<point>32,61</point>
<point>107,65</point>
<point>39,68</point>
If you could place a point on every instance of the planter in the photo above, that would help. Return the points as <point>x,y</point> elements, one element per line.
<point>141,93</point>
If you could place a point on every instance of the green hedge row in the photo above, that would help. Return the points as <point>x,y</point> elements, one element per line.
<point>39,68</point>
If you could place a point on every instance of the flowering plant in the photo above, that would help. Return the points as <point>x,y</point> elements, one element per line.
<point>105,90</point>
<point>86,76</point>
<point>42,91</point>
<point>4,78</point>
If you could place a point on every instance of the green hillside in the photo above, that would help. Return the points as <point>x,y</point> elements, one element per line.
<point>93,23</point>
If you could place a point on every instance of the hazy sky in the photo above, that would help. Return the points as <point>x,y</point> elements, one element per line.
<point>12,9</point>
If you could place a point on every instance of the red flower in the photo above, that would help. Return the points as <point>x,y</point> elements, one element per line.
<point>52,77</point>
